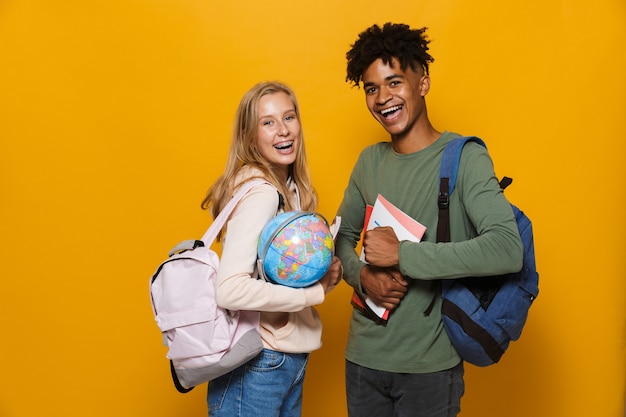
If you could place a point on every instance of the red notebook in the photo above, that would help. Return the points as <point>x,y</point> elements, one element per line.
<point>384,213</point>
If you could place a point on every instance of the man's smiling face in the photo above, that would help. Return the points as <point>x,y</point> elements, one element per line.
<point>395,97</point>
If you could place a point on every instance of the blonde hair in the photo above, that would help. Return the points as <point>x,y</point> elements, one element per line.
<point>244,152</point>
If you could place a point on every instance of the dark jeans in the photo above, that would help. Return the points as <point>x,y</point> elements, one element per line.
<point>388,394</point>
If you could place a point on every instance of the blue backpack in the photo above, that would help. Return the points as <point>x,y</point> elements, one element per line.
<point>483,314</point>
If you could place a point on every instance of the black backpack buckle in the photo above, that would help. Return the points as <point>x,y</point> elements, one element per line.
<point>443,200</point>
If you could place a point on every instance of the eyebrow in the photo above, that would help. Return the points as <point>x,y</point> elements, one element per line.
<point>291,110</point>
<point>388,78</point>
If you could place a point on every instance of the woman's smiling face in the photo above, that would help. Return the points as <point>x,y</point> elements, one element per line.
<point>278,131</point>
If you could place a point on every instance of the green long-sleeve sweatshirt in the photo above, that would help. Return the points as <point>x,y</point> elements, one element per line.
<point>485,242</point>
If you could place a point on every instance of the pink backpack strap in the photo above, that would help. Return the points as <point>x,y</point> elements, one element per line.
<point>221,218</point>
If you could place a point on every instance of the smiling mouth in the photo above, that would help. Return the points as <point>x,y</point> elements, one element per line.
<point>390,111</point>
<point>283,145</point>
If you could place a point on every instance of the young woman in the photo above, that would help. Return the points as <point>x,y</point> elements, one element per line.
<point>267,143</point>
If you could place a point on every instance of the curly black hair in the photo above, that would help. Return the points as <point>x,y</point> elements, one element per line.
<point>394,40</point>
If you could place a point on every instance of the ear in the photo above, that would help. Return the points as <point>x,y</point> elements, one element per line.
<point>424,85</point>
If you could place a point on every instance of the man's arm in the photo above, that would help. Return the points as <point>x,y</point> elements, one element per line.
<point>484,234</point>
<point>385,286</point>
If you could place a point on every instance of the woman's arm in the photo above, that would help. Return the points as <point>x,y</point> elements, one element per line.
<point>237,285</point>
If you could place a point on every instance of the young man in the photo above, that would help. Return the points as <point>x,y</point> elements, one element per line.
<point>409,367</point>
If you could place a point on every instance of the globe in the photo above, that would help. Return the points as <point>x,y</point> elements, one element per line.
<point>295,249</point>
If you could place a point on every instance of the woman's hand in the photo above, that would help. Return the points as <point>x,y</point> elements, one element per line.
<point>333,275</point>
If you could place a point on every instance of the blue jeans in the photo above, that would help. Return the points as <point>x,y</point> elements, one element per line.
<point>388,394</point>
<point>270,385</point>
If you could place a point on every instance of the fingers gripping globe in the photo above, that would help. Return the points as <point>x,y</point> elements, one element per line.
<point>295,249</point>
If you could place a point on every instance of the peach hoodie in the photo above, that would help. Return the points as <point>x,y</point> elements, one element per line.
<point>289,323</point>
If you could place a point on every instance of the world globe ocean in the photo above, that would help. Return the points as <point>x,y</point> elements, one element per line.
<point>295,249</point>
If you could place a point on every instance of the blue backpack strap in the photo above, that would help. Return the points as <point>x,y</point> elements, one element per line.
<point>448,171</point>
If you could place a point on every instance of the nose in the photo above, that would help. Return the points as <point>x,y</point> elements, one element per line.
<point>383,95</point>
<point>282,129</point>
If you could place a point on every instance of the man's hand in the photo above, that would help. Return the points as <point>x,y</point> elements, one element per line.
<point>381,247</point>
<point>385,286</point>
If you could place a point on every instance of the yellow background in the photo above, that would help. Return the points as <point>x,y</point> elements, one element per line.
<point>115,117</point>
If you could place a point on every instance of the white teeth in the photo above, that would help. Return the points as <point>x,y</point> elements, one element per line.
<point>283,145</point>
<point>390,110</point>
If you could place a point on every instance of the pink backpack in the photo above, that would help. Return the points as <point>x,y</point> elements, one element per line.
<point>204,340</point>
